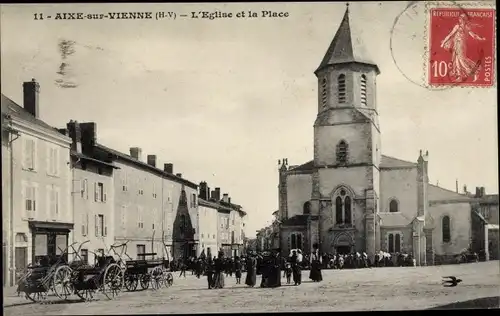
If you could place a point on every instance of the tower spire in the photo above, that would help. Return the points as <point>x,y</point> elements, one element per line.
<point>346,47</point>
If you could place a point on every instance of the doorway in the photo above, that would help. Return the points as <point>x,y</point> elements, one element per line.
<point>343,250</point>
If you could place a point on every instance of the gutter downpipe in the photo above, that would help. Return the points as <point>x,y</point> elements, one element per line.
<point>12,269</point>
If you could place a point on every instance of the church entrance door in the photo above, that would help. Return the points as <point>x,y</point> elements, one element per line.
<point>343,250</point>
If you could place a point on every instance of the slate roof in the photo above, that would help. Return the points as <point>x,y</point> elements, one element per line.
<point>436,193</point>
<point>346,48</point>
<point>297,220</point>
<point>13,109</point>
<point>388,162</point>
<point>394,219</point>
<point>87,157</point>
<point>146,166</point>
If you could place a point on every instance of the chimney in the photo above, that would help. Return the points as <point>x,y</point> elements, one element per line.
<point>217,194</point>
<point>465,189</point>
<point>31,91</point>
<point>203,190</point>
<point>213,195</point>
<point>225,197</point>
<point>152,160</point>
<point>179,175</point>
<point>483,191</point>
<point>456,185</point>
<point>75,133</point>
<point>478,191</point>
<point>136,152</point>
<point>229,200</point>
<point>168,167</point>
<point>88,135</point>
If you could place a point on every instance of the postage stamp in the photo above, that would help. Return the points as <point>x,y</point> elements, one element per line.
<point>461,46</point>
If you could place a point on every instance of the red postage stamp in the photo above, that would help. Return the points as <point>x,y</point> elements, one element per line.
<point>461,47</point>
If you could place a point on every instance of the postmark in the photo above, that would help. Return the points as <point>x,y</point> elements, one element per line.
<point>461,45</point>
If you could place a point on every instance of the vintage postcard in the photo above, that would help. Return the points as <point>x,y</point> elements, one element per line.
<point>190,158</point>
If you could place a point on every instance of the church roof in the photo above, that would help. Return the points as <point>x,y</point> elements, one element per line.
<point>437,193</point>
<point>308,166</point>
<point>346,48</point>
<point>388,162</point>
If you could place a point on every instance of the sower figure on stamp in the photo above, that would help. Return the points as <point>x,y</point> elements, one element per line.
<point>251,267</point>
<point>462,67</point>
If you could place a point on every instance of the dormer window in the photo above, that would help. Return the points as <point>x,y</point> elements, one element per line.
<point>341,88</point>
<point>342,151</point>
<point>363,90</point>
<point>323,92</point>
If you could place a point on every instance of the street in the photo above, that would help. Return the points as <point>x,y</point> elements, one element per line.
<point>346,290</point>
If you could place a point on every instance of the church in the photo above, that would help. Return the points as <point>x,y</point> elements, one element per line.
<point>351,197</point>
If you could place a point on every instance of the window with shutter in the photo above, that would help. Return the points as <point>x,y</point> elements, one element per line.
<point>96,192</point>
<point>124,210</point>
<point>56,203</point>
<point>87,225</point>
<point>84,229</point>
<point>96,224</point>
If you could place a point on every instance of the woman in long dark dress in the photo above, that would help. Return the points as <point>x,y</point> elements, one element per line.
<point>251,267</point>
<point>275,273</point>
<point>237,270</point>
<point>315,274</point>
<point>219,272</point>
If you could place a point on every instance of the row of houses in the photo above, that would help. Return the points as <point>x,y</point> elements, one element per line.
<point>61,186</point>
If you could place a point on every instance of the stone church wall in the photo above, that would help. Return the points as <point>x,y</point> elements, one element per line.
<point>399,184</point>
<point>460,229</point>
<point>299,188</point>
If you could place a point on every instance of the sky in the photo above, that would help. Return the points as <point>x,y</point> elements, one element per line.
<point>225,99</point>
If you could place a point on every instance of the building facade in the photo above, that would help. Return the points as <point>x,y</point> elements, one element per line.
<point>350,197</point>
<point>92,194</point>
<point>155,209</point>
<point>36,178</point>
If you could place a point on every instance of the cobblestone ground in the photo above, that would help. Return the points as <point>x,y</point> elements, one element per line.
<point>363,289</point>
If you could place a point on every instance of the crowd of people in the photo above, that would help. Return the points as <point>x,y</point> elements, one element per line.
<point>272,267</point>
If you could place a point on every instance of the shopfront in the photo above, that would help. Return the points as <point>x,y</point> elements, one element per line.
<point>49,240</point>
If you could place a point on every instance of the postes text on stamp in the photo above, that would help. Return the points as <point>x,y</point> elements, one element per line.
<point>461,47</point>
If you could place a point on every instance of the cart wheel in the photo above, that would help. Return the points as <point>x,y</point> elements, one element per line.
<point>144,280</point>
<point>131,282</point>
<point>112,282</point>
<point>168,279</point>
<point>85,295</point>
<point>61,283</point>
<point>156,278</point>
<point>38,297</point>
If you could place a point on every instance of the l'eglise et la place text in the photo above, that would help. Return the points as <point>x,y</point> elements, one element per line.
<point>212,15</point>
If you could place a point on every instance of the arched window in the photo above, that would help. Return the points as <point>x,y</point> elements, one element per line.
<point>393,206</point>
<point>391,243</point>
<point>307,207</point>
<point>341,88</point>
<point>446,229</point>
<point>342,150</point>
<point>394,243</point>
<point>338,210</point>
<point>343,208</point>
<point>363,90</point>
<point>323,92</point>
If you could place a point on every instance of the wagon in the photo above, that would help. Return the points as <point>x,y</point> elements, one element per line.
<point>51,274</point>
<point>152,272</point>
<point>105,277</point>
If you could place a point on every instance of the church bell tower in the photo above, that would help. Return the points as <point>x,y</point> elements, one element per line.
<point>347,148</point>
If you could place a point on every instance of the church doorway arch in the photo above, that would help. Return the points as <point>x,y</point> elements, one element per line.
<point>343,244</point>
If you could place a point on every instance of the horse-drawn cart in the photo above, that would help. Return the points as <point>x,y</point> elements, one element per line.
<point>51,274</point>
<point>106,277</point>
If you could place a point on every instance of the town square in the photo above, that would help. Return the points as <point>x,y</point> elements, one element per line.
<point>296,158</point>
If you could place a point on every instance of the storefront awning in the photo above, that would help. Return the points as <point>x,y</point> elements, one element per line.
<point>45,227</point>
